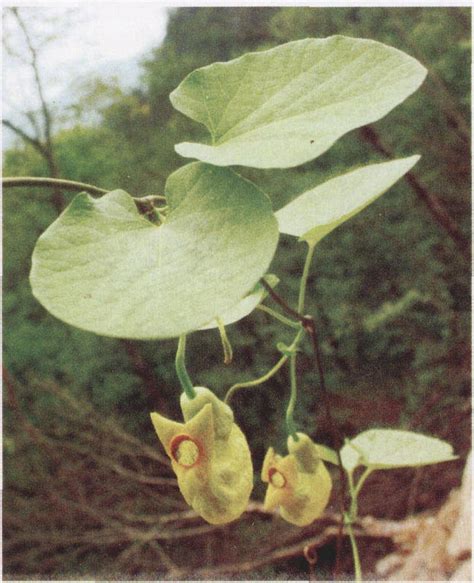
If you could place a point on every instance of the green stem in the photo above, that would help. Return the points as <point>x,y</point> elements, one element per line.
<point>310,327</point>
<point>152,198</point>
<point>255,382</point>
<point>350,480</point>
<point>184,379</point>
<point>226,345</point>
<point>35,181</point>
<point>304,279</point>
<point>361,481</point>
<point>355,550</point>
<point>290,422</point>
<point>278,316</point>
<point>355,490</point>
<point>351,517</point>
<point>50,183</point>
<point>353,506</point>
<point>267,375</point>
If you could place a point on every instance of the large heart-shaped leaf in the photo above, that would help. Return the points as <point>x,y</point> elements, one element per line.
<point>285,106</point>
<point>102,267</point>
<point>392,448</point>
<point>315,213</point>
<point>246,305</point>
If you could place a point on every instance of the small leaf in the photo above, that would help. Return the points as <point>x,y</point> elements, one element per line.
<point>246,305</point>
<point>317,212</point>
<point>102,267</point>
<point>282,107</point>
<point>327,454</point>
<point>392,448</point>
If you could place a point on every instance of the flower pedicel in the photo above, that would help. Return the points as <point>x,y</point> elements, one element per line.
<point>209,455</point>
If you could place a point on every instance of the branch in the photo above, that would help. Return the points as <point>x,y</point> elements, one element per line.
<point>145,204</point>
<point>269,558</point>
<point>13,182</point>
<point>31,117</point>
<point>118,468</point>
<point>43,141</point>
<point>39,85</point>
<point>24,136</point>
<point>281,302</point>
<point>367,526</point>
<point>436,86</point>
<point>35,435</point>
<point>106,426</point>
<point>431,200</point>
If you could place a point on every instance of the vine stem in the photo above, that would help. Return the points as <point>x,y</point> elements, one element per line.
<point>304,279</point>
<point>337,438</point>
<point>290,423</point>
<point>184,379</point>
<point>291,349</point>
<point>247,384</point>
<point>355,550</point>
<point>281,302</point>
<point>35,181</point>
<point>358,488</point>
<point>310,327</point>
<point>351,517</point>
<point>269,374</point>
<point>14,182</point>
<point>278,316</point>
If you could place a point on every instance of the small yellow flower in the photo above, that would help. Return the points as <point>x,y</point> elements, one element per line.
<point>298,483</point>
<point>209,455</point>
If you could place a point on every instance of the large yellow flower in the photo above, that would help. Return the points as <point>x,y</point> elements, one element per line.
<point>298,483</point>
<point>210,456</point>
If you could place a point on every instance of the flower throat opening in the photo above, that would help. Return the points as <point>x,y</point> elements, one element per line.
<point>185,451</point>
<point>276,478</point>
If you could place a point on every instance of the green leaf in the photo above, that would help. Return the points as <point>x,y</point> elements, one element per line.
<point>246,305</point>
<point>282,107</point>
<point>391,448</point>
<point>317,212</point>
<point>102,267</point>
<point>327,454</point>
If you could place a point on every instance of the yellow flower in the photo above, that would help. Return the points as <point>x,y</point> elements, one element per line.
<point>209,455</point>
<point>298,483</point>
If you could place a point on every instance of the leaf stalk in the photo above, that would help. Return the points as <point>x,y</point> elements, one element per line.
<point>183,376</point>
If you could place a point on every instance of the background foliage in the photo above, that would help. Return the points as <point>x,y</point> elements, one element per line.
<point>390,290</point>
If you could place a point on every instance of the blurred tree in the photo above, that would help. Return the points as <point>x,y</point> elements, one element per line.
<point>39,135</point>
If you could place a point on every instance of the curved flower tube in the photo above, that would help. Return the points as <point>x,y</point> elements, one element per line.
<point>298,483</point>
<point>209,455</point>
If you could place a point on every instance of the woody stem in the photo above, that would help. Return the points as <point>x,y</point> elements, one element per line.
<point>290,422</point>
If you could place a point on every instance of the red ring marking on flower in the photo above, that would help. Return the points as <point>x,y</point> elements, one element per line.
<point>193,453</point>
<point>276,478</point>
